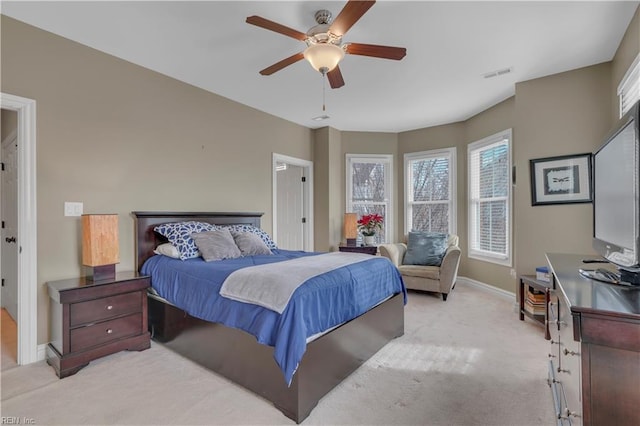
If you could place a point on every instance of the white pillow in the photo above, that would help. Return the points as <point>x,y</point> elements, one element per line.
<point>167,249</point>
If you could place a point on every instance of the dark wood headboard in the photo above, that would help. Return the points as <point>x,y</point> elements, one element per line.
<point>147,239</point>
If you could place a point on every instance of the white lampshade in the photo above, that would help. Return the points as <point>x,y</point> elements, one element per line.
<point>323,57</point>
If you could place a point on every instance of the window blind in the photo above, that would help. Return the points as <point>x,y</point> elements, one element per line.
<point>629,87</point>
<point>490,198</point>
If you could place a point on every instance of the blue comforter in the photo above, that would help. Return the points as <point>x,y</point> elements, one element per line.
<point>319,304</point>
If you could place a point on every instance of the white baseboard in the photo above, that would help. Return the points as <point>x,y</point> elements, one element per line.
<point>484,286</point>
<point>42,352</point>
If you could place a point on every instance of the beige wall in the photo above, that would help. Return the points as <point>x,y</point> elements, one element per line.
<point>326,191</point>
<point>119,138</point>
<point>567,113</point>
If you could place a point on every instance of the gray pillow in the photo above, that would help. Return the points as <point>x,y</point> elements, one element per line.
<point>216,245</point>
<point>425,248</point>
<point>250,244</point>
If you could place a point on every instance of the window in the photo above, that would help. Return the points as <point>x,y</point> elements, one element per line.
<point>430,188</point>
<point>369,189</point>
<point>629,88</point>
<point>490,198</point>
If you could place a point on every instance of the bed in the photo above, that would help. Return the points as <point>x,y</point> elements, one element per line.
<point>238,356</point>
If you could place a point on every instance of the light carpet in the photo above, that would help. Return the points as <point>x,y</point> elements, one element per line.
<point>466,361</point>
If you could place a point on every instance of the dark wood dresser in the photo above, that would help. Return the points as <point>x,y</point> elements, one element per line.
<point>594,360</point>
<point>91,319</point>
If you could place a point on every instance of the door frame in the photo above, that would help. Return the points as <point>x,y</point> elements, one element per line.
<point>307,197</point>
<point>27,226</point>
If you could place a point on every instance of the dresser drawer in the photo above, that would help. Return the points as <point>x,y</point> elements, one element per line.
<point>96,334</point>
<point>104,308</point>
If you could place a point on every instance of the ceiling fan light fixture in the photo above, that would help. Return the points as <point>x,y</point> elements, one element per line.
<point>323,57</point>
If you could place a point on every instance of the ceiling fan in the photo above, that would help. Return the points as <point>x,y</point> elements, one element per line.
<point>324,42</point>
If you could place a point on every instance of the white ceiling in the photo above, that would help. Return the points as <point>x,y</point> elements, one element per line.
<point>450,47</point>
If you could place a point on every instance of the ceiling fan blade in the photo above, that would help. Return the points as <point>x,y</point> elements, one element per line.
<point>283,63</point>
<point>274,26</point>
<point>349,15</point>
<point>335,78</point>
<point>385,52</point>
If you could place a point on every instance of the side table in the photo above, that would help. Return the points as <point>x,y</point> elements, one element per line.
<point>92,319</point>
<point>527,281</point>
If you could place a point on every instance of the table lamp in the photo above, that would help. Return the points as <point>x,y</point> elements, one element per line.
<point>100,250</point>
<point>350,229</point>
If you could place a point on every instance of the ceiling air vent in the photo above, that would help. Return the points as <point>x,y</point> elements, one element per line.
<point>497,73</point>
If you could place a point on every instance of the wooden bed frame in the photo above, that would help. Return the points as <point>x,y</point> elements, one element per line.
<point>237,355</point>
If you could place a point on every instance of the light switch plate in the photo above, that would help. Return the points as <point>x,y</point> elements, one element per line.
<point>72,208</point>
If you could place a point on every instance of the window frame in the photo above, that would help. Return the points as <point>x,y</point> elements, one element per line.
<point>387,161</point>
<point>472,252</point>
<point>451,155</point>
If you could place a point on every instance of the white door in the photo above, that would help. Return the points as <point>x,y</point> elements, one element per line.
<point>9,226</point>
<point>290,206</point>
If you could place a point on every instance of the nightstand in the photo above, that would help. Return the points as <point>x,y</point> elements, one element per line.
<point>529,284</point>
<point>91,319</point>
<point>359,249</point>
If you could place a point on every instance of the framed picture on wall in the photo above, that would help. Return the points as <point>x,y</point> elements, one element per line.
<point>561,180</point>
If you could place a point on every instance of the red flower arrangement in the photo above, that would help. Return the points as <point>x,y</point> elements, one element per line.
<point>368,224</point>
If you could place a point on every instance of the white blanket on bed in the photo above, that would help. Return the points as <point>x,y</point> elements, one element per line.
<point>272,285</point>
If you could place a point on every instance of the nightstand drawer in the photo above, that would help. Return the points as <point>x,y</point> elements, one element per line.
<point>107,307</point>
<point>372,250</point>
<point>85,337</point>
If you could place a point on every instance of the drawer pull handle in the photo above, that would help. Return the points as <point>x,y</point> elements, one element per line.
<point>568,352</point>
<point>109,331</point>
<point>560,370</point>
<point>551,356</point>
<point>554,342</point>
<point>110,307</point>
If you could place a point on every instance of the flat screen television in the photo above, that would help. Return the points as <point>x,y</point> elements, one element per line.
<point>616,197</point>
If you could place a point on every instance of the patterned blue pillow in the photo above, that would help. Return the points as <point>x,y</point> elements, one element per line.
<point>252,229</point>
<point>425,248</point>
<point>179,234</point>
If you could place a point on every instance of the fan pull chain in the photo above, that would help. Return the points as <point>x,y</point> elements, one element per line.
<point>323,92</point>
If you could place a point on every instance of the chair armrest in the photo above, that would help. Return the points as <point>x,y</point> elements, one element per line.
<point>449,268</point>
<point>394,252</point>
